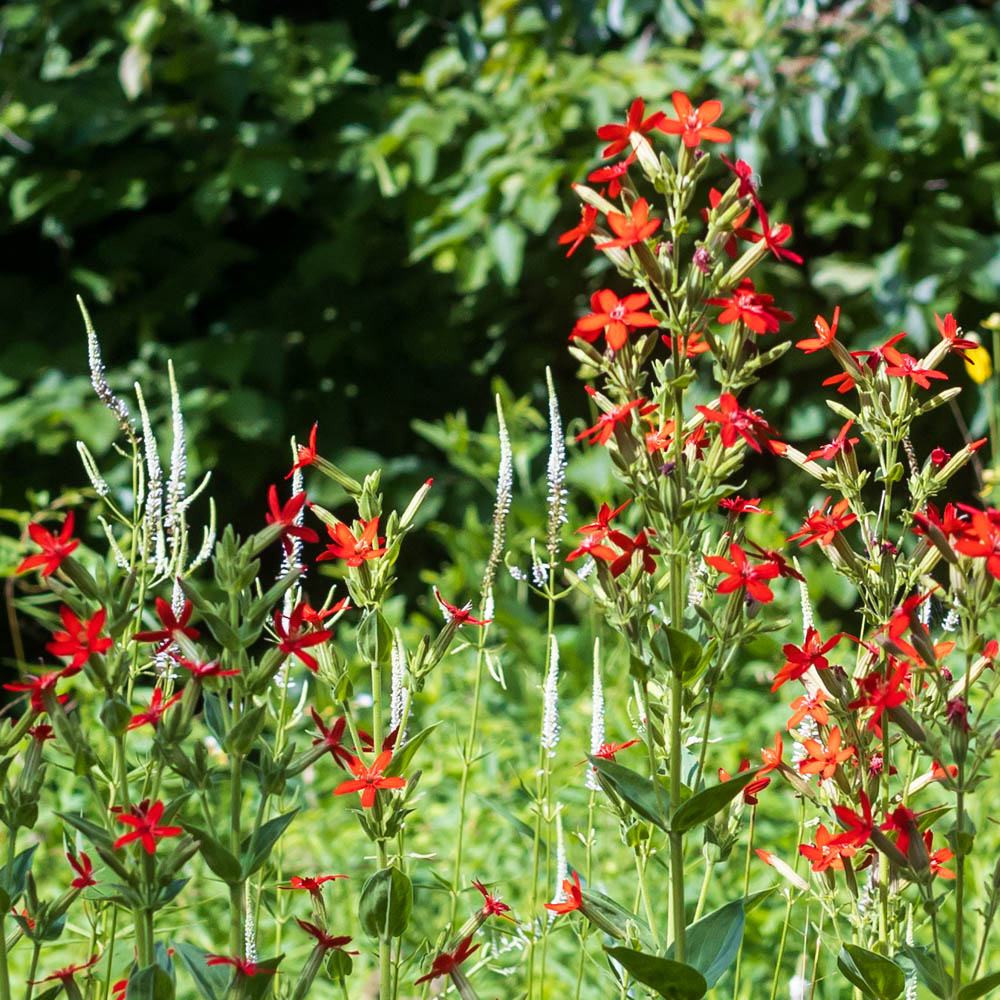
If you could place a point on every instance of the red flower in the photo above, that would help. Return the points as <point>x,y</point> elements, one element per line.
<point>798,659</point>
<point>601,432</point>
<point>39,685</point>
<point>691,346</point>
<point>144,821</point>
<point>694,125</point>
<point>448,961</point>
<point>596,532</point>
<point>840,443</point>
<point>40,733</point>
<point>171,626</point>
<point>628,545</point>
<point>84,870</point>
<point>809,705</point>
<point>67,973</point>
<point>859,827</point>
<point>949,331</point>
<point>354,550</point>
<point>614,316</point>
<point>607,751</point>
<point>827,852</point>
<point>203,669</point>
<point>753,308</point>
<point>740,573</point>
<point>631,229</point>
<point>368,780</point>
<point>613,173</point>
<point>493,906</point>
<point>744,174</point>
<point>313,617</point>
<point>937,859</point>
<point>54,548</point>
<point>576,235</point>
<point>751,790</point>
<point>737,505</point>
<point>714,198</point>
<point>821,527</point>
<point>785,568</point>
<point>241,965</point>
<point>572,896</point>
<point>332,738</point>
<point>824,760</point>
<point>904,618</point>
<point>901,365</point>
<point>156,710</point>
<point>881,693</point>
<point>293,641</point>
<point>825,333</point>
<point>901,821</point>
<point>773,236</point>
<point>324,940</point>
<point>621,135</point>
<point>312,885</point>
<point>80,638</point>
<point>285,516</point>
<point>772,757</point>
<point>982,539</point>
<point>306,454</point>
<point>459,616</point>
<point>739,422</point>
<point>940,457</point>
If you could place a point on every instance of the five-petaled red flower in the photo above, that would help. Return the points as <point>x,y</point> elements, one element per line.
<point>354,550</point>
<point>632,228</point>
<point>881,692</point>
<point>576,235</point>
<point>293,641</point>
<point>448,961</point>
<point>67,973</point>
<point>242,965</point>
<point>144,820</point>
<point>741,573</point>
<point>286,515</point>
<point>900,365</point>
<point>572,896</point>
<point>332,738</point>
<point>751,307</point>
<point>156,710</point>
<point>736,422</point>
<point>80,638</point>
<point>54,548</point>
<point>40,684</point>
<point>171,626</point>
<point>693,125</point>
<point>811,705</point>
<point>741,505</point>
<point>601,432</point>
<point>690,346</point>
<point>613,173</point>
<point>614,316</point>
<point>841,443</point>
<point>620,136</point>
<point>821,527</point>
<point>595,533</point>
<point>492,906</point>
<point>368,780</point>
<point>312,885</point>
<point>206,668</point>
<point>773,236</point>
<point>859,827</point>
<point>949,331</point>
<point>607,751</point>
<point>823,760</point>
<point>798,659</point>
<point>325,941</point>
<point>306,454</point>
<point>458,616</point>
<point>939,858</point>
<point>628,545</point>
<point>828,851</point>
<point>84,870</point>
<point>825,333</point>
<point>753,788</point>
<point>772,756</point>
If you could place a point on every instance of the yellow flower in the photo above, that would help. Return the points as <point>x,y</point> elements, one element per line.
<point>978,364</point>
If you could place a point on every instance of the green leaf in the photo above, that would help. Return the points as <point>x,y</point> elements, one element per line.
<point>615,913</point>
<point>212,980</point>
<point>679,652</point>
<point>637,791</point>
<point>927,969</point>
<point>875,975</point>
<point>213,716</point>
<point>14,876</point>
<point>258,987</point>
<point>713,942</point>
<point>256,850</point>
<point>374,638</point>
<point>506,242</point>
<point>672,980</point>
<point>980,987</point>
<point>703,805</point>
<point>243,735</point>
<point>97,835</point>
<point>386,902</point>
<point>401,760</point>
<point>219,859</point>
<point>151,983</point>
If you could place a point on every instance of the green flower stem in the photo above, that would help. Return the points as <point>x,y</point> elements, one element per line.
<point>33,971</point>
<point>746,890</point>
<point>641,861</point>
<point>585,930</point>
<point>111,951</point>
<point>4,969</point>
<point>236,890</point>
<point>703,895</point>
<point>676,839</point>
<point>788,912</point>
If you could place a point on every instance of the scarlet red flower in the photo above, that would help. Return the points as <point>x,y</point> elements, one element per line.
<point>607,751</point>
<point>596,532</point>
<point>448,961</point>
<point>714,198</point>
<point>84,870</point>
<point>691,346</point>
<point>904,618</point>
<point>614,316</point>
<point>306,453</point>
<point>576,235</point>
<point>773,236</point>
<point>54,548</point>
<point>859,827</point>
<point>40,732</point>
<point>736,422</point>
<point>156,710</point>
<point>785,569</point>
<point>825,333</point>
<point>80,638</point>
<point>324,940</point>
<point>572,896</point>
<point>772,756</point>
<point>949,331</point>
<point>938,859</point>
<point>741,573</point>
<point>940,457</point>
<point>902,822</point>
<point>621,135</point>
<point>145,819</point>
<point>809,705</point>
<point>753,308</point>
<point>492,905</point>
<point>798,659</point>
<point>881,693</point>
<point>751,790</point>
<point>901,365</point>
<point>354,550</point>
<point>738,505</point>
<point>293,641</point>
<point>613,173</point>
<point>631,229</point>
<point>368,780</point>
<point>67,973</point>
<point>332,738</point>
<point>312,885</point>
<point>458,616</point>
<point>171,626</point>
<point>628,545</point>
<point>694,125</point>
<point>601,432</point>
<point>203,669</point>
<point>242,965</point>
<point>285,516</point>
<point>824,760</point>
<point>821,527</point>
<point>982,539</point>
<point>827,852</point>
<point>313,617</point>
<point>841,443</point>
<point>40,684</point>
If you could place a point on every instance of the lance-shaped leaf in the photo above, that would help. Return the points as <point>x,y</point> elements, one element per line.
<point>14,876</point>
<point>97,835</point>
<point>639,792</point>
<point>256,849</point>
<point>212,980</point>
<point>703,805</point>
<point>972,991</point>
<point>927,969</point>
<point>672,980</point>
<point>386,903</point>
<point>713,942</point>
<point>401,758</point>
<point>219,858</point>
<point>676,650</point>
<point>875,975</point>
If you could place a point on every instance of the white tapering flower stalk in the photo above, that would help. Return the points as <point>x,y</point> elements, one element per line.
<point>550,701</point>
<point>101,488</point>
<point>397,690</point>
<point>539,569</point>
<point>807,611</point>
<point>556,472</point>
<point>562,866</point>
<point>249,930</point>
<point>208,539</point>
<point>99,381</point>
<point>950,622</point>
<point>596,715</point>
<point>120,559</point>
<point>153,510</point>
<point>696,592</point>
<point>505,494</point>
<point>177,484</point>
<point>924,613</point>
<point>911,977</point>
<point>489,606</point>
